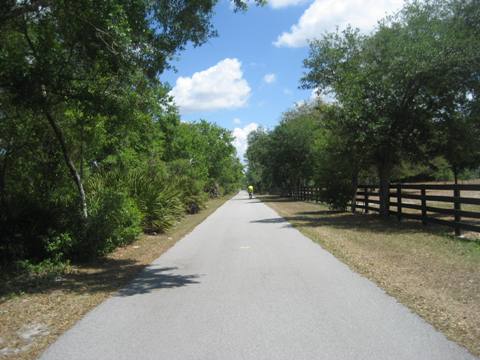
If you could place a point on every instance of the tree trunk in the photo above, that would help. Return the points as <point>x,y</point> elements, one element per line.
<point>71,166</point>
<point>82,135</point>
<point>384,172</point>
<point>455,175</point>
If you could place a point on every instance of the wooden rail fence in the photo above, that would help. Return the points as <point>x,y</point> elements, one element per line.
<point>455,206</point>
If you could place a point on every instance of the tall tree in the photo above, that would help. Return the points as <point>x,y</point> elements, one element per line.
<point>55,52</point>
<point>393,83</point>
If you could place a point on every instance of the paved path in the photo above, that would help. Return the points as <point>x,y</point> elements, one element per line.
<point>245,285</point>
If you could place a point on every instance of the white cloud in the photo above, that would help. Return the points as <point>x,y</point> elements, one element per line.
<point>221,86</point>
<point>276,4</point>
<point>237,121</point>
<point>270,78</point>
<point>240,138</point>
<point>326,15</point>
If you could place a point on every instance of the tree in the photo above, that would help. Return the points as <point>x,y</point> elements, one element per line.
<point>258,155</point>
<point>84,119</point>
<point>55,53</point>
<point>394,82</point>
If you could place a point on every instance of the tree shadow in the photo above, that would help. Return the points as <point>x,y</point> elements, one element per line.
<point>274,198</point>
<point>321,212</point>
<point>278,220</point>
<point>153,278</point>
<point>356,222</point>
<point>109,275</point>
<point>345,220</point>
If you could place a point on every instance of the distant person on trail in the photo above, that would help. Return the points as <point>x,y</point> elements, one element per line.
<point>250,191</point>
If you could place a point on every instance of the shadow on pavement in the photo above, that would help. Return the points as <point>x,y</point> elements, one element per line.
<point>274,198</point>
<point>154,278</point>
<point>269,221</point>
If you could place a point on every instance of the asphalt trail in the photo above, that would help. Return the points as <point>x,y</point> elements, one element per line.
<point>246,285</point>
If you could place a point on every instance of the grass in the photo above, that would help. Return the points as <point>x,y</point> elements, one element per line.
<point>34,312</point>
<point>433,273</point>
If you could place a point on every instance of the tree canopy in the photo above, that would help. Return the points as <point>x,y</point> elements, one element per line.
<point>92,150</point>
<point>406,93</point>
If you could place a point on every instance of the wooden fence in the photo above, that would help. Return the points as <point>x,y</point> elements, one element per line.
<point>455,206</point>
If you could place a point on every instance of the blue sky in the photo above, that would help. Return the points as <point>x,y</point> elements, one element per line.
<point>249,75</point>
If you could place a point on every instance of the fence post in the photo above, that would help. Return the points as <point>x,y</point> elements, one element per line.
<point>399,202</point>
<point>457,207</point>
<point>424,205</point>
<point>354,200</point>
<point>366,199</point>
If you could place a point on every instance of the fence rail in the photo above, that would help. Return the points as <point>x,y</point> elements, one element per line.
<point>453,205</point>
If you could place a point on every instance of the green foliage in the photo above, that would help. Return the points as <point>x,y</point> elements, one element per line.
<point>92,150</point>
<point>158,200</point>
<point>114,220</point>
<point>407,107</point>
<point>186,177</point>
<point>282,159</point>
<point>441,169</point>
<point>409,90</point>
<point>59,247</point>
<point>45,269</point>
<point>337,192</point>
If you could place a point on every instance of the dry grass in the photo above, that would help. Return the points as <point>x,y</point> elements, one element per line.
<point>431,272</point>
<point>33,314</point>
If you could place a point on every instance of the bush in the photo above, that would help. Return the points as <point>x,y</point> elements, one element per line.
<point>162,208</point>
<point>59,247</point>
<point>114,220</point>
<point>190,182</point>
<point>337,193</point>
<point>158,200</point>
<point>45,269</point>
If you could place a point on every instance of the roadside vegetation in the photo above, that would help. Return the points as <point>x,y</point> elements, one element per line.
<point>92,149</point>
<point>406,108</point>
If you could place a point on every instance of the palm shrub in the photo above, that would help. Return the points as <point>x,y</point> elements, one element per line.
<point>190,179</point>
<point>159,202</point>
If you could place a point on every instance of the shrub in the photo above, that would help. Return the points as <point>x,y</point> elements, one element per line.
<point>59,247</point>
<point>337,193</point>
<point>45,269</point>
<point>158,200</point>
<point>190,182</point>
<point>114,219</point>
